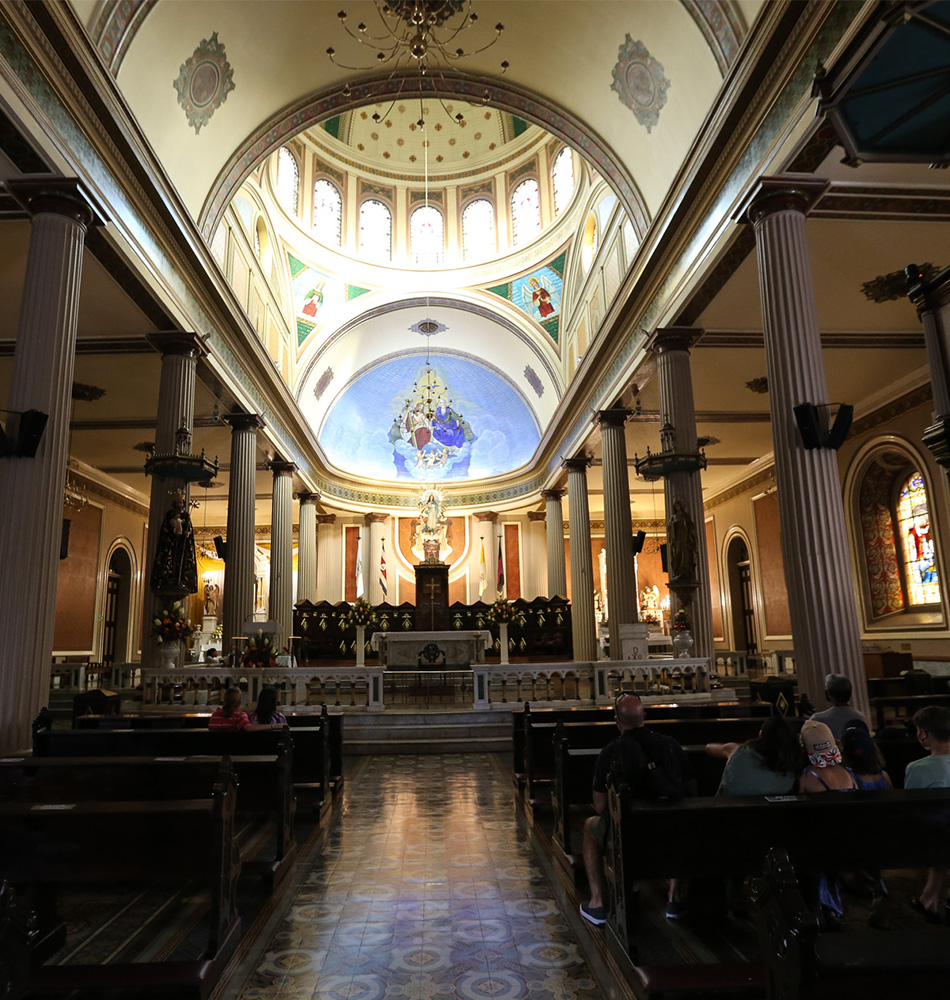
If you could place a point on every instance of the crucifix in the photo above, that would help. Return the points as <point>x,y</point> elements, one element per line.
<point>432,587</point>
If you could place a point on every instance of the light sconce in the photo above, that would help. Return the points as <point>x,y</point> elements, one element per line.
<point>29,433</point>
<point>818,429</point>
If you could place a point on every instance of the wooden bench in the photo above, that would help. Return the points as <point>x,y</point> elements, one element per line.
<point>725,836</point>
<point>904,706</point>
<point>265,795</point>
<point>802,963</point>
<point>100,843</point>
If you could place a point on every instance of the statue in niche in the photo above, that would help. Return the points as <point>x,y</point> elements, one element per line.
<point>175,570</point>
<point>681,535</point>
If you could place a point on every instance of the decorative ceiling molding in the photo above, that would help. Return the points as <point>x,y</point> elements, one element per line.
<point>756,482</point>
<point>849,340</point>
<point>728,264</point>
<point>116,26</point>
<point>721,26</point>
<point>863,202</point>
<point>890,411</point>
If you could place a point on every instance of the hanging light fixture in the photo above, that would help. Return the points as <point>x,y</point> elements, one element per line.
<point>420,35</point>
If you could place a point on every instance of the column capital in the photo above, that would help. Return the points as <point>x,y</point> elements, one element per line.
<point>175,342</point>
<point>245,421</point>
<point>326,518</point>
<point>579,463</point>
<point>537,515</point>
<point>305,497</point>
<point>59,196</point>
<point>615,416</point>
<point>556,494</point>
<point>784,192</point>
<point>487,515</point>
<point>281,468</point>
<point>673,338</point>
<point>375,518</point>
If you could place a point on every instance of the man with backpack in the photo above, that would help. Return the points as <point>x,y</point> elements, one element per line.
<point>656,768</point>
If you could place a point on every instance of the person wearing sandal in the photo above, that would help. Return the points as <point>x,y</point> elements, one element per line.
<point>933,734</point>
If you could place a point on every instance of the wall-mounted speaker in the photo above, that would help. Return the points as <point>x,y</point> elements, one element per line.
<point>64,539</point>
<point>663,557</point>
<point>638,539</point>
<point>221,547</point>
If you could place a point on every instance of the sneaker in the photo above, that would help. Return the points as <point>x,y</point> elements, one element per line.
<point>596,915</point>
<point>675,908</point>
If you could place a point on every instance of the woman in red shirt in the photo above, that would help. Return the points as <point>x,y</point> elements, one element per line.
<point>230,716</point>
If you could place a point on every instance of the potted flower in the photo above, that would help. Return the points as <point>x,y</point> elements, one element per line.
<point>259,652</point>
<point>502,612</point>
<point>360,615</point>
<point>169,628</point>
<point>682,635</point>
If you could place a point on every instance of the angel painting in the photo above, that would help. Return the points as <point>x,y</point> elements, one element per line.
<point>540,297</point>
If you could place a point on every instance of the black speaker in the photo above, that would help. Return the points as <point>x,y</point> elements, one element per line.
<point>806,416</point>
<point>841,426</point>
<point>638,539</point>
<point>221,547</point>
<point>30,432</point>
<point>64,539</point>
<point>663,558</point>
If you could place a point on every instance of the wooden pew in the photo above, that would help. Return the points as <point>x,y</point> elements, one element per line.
<point>99,843</point>
<point>264,791</point>
<point>725,836</point>
<point>801,963</point>
<point>904,705</point>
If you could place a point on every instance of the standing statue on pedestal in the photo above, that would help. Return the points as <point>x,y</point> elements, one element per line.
<point>175,570</point>
<point>211,599</point>
<point>681,535</point>
<point>431,522</point>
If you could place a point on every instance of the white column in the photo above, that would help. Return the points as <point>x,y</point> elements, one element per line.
<point>372,544</point>
<point>488,528</point>
<point>811,513</point>
<point>238,599</point>
<point>329,555</point>
<point>554,529</point>
<point>534,574</point>
<point>31,488</point>
<point>582,569</point>
<point>618,526</point>
<point>282,549</point>
<point>307,549</point>
<point>677,410</point>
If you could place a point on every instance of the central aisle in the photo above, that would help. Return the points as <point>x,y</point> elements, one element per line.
<point>426,888</point>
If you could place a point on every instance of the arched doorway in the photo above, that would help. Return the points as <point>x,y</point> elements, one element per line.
<point>116,626</point>
<point>745,629</point>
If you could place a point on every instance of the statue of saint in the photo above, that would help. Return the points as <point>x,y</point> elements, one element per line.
<point>681,535</point>
<point>175,570</point>
<point>211,598</point>
<point>431,512</point>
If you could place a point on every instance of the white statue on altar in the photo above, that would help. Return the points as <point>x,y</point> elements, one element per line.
<point>431,523</point>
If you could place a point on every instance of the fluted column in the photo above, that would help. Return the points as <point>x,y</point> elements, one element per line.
<point>618,526</point>
<point>176,410</point>
<point>282,549</point>
<point>488,531</point>
<point>932,299</point>
<point>373,537</point>
<point>238,599</point>
<point>307,549</point>
<point>582,568</point>
<point>328,567</point>
<point>811,513</point>
<point>31,489</point>
<point>554,527</point>
<point>534,574</point>
<point>678,412</point>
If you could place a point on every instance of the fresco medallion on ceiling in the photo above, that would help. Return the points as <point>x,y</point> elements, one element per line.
<point>204,82</point>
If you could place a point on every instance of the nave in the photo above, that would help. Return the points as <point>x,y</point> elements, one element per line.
<point>426,885</point>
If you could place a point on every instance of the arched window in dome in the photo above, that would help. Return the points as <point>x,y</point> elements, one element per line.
<point>479,240</point>
<point>589,242</point>
<point>427,236</point>
<point>327,213</point>
<point>376,229</point>
<point>562,176</point>
<point>916,534</point>
<point>288,180</point>
<point>525,212</point>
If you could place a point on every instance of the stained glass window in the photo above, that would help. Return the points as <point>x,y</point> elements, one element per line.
<point>920,563</point>
<point>376,229</point>
<point>478,230</point>
<point>563,178</point>
<point>327,214</point>
<point>525,212</point>
<point>288,180</point>
<point>427,236</point>
<point>589,242</point>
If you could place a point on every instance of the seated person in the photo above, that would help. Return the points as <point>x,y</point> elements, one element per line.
<point>640,754</point>
<point>838,692</point>
<point>266,711</point>
<point>766,765</point>
<point>211,656</point>
<point>228,715</point>
<point>933,734</point>
<point>860,753</point>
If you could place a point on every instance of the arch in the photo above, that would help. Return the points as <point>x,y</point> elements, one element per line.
<point>740,591</point>
<point>563,179</point>
<point>589,242</point>
<point>479,234</point>
<point>525,206</point>
<point>427,236</point>
<point>327,217</point>
<point>119,587</point>
<point>288,180</point>
<point>331,101</point>
<point>376,229</point>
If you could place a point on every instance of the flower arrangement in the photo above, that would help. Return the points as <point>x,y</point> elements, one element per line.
<point>681,620</point>
<point>259,652</point>
<point>172,625</point>
<point>360,615</point>
<point>501,611</point>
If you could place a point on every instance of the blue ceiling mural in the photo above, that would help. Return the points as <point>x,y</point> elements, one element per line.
<point>452,419</point>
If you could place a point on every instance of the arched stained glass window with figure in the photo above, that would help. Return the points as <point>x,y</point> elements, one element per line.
<point>327,213</point>
<point>920,562</point>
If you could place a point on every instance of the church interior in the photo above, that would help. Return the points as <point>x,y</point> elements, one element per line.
<point>533,291</point>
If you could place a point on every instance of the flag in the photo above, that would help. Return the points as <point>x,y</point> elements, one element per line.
<point>359,566</point>
<point>483,572</point>
<point>382,569</point>
<point>501,570</point>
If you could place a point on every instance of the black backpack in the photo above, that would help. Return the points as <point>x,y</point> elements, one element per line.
<point>650,765</point>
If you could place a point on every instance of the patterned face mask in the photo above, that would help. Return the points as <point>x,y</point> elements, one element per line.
<point>825,757</point>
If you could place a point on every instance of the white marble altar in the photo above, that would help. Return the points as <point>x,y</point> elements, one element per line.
<point>402,649</point>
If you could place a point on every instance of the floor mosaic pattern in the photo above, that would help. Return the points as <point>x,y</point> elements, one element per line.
<point>427,888</point>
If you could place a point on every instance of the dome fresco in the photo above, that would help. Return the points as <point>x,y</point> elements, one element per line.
<point>477,425</point>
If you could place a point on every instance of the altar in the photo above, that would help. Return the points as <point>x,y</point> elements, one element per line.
<point>407,650</point>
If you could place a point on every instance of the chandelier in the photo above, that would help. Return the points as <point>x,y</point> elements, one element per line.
<point>419,34</point>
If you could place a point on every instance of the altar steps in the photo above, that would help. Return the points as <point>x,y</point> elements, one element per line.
<point>395,732</point>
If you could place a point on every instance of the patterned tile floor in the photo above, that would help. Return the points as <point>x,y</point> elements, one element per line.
<point>425,889</point>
